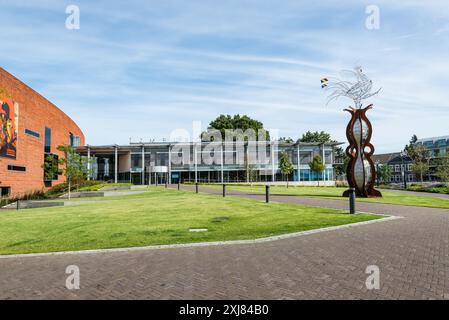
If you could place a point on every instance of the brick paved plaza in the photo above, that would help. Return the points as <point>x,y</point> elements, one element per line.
<point>412,254</point>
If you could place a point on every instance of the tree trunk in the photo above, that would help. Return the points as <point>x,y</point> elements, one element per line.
<point>287,181</point>
<point>69,188</point>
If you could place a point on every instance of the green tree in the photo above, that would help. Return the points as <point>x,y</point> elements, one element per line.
<point>319,137</point>
<point>420,157</point>
<point>74,167</point>
<point>286,139</point>
<point>251,173</point>
<point>384,173</point>
<point>285,165</point>
<point>224,122</point>
<point>442,169</point>
<point>317,165</point>
<point>409,149</point>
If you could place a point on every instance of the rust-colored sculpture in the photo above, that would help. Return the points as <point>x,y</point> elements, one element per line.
<point>361,172</point>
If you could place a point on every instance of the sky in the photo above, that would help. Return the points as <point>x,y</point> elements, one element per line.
<point>141,69</point>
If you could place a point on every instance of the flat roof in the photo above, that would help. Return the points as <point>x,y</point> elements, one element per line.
<point>166,144</point>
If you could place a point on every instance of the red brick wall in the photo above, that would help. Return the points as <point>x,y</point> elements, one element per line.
<point>35,113</point>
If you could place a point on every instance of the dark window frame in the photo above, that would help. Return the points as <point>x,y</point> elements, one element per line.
<point>14,168</point>
<point>32,133</point>
<point>47,140</point>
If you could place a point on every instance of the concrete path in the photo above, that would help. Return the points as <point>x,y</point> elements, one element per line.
<point>412,255</point>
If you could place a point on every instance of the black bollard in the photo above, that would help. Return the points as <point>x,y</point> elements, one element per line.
<point>267,193</point>
<point>352,200</point>
<point>224,190</point>
<point>196,187</point>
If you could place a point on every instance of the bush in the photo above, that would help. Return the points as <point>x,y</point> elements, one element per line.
<point>439,188</point>
<point>98,186</point>
<point>341,184</point>
<point>62,188</point>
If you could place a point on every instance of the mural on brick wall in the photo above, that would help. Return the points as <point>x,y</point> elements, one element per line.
<point>9,117</point>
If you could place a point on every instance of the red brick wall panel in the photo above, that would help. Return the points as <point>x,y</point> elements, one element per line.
<point>35,113</point>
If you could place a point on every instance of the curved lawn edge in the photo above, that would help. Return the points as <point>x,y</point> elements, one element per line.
<point>383,218</point>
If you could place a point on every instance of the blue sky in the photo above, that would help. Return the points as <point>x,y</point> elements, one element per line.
<point>141,69</point>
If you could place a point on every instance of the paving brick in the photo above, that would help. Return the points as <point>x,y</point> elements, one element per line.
<point>412,254</point>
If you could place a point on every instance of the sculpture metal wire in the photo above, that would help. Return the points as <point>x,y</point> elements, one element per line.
<point>361,172</point>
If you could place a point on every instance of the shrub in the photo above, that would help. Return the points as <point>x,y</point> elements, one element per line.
<point>341,184</point>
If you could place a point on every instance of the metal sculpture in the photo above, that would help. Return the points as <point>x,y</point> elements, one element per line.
<point>361,172</point>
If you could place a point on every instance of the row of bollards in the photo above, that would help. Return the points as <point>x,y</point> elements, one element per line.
<point>267,195</point>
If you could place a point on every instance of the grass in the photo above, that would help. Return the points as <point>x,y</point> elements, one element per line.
<point>336,193</point>
<point>160,216</point>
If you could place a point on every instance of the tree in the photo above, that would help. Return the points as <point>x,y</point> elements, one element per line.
<point>286,140</point>
<point>384,173</point>
<point>285,165</point>
<point>251,172</point>
<point>319,137</point>
<point>410,147</point>
<point>317,165</point>
<point>442,170</point>
<point>420,156</point>
<point>229,122</point>
<point>74,166</point>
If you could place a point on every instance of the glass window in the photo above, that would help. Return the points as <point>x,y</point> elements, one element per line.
<point>32,133</point>
<point>47,147</point>
<point>74,140</point>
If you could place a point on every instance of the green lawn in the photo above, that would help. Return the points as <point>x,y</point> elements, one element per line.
<point>336,193</point>
<point>160,216</point>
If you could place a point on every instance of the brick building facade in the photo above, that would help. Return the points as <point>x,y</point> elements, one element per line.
<point>31,130</point>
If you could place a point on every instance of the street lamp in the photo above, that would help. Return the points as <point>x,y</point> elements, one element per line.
<point>403,154</point>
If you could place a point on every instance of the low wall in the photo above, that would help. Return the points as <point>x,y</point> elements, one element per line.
<point>290,183</point>
<point>83,194</point>
<point>32,204</point>
<point>113,188</point>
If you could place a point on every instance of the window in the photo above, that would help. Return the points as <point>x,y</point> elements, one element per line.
<point>5,191</point>
<point>409,167</point>
<point>32,133</point>
<point>47,147</point>
<point>397,168</point>
<point>74,140</point>
<point>51,167</point>
<point>17,168</point>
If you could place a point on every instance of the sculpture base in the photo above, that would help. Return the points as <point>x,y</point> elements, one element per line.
<point>373,193</point>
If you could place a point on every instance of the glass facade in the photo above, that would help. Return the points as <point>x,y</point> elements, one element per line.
<point>148,163</point>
